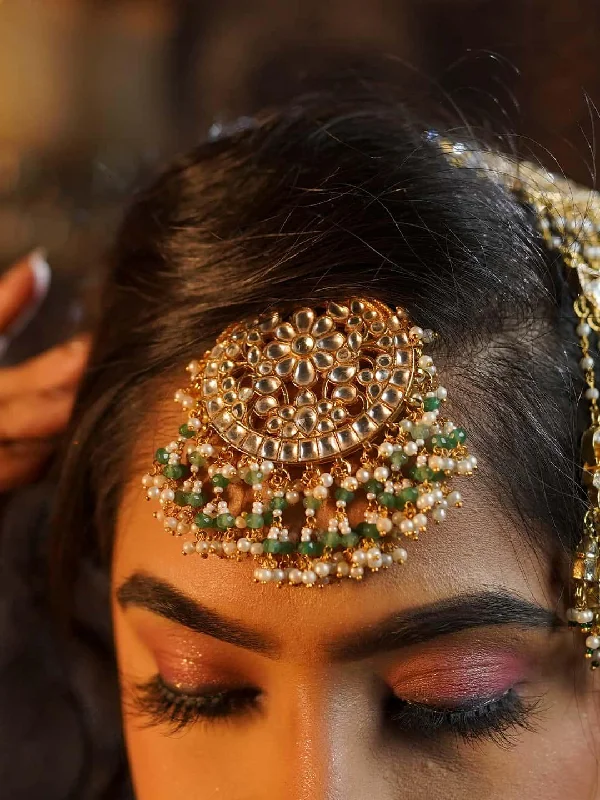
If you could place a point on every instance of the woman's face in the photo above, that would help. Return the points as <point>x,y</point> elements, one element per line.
<point>444,677</point>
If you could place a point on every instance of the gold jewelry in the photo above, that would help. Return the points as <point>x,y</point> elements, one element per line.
<point>316,406</point>
<point>568,218</point>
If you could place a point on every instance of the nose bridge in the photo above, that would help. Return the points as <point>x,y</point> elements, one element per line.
<point>323,739</point>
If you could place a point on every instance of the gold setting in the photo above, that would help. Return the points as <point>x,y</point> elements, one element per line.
<point>310,386</point>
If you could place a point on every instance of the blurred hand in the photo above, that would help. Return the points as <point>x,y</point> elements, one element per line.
<point>36,396</point>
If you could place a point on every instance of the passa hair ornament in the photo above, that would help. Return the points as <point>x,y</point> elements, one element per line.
<point>309,412</point>
<point>568,219</point>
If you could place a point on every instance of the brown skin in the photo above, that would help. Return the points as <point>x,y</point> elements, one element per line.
<point>36,396</point>
<point>319,732</point>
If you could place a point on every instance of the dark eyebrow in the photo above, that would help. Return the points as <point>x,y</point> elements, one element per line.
<point>400,629</point>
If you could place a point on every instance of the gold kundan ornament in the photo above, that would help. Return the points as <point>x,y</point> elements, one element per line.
<point>310,410</point>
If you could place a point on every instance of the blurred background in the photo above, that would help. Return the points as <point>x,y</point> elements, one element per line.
<point>95,94</point>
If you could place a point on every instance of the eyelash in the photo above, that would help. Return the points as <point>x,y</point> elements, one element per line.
<point>496,719</point>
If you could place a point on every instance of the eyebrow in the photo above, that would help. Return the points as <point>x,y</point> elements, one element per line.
<point>399,629</point>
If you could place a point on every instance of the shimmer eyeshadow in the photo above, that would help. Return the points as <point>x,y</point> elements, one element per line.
<point>451,676</point>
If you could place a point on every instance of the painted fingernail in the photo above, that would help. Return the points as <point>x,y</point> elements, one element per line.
<point>42,274</point>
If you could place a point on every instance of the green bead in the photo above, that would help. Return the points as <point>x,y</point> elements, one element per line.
<point>253,476</point>
<point>225,521</point>
<point>268,516</point>
<point>437,441</point>
<point>439,475</point>
<point>312,502</point>
<point>197,459</point>
<point>195,499</point>
<point>175,471</point>
<point>311,548</point>
<point>275,546</point>
<point>399,458</point>
<point>419,432</point>
<point>344,494</point>
<point>349,539</point>
<point>332,539</point>
<point>407,495</point>
<point>431,403</point>
<point>204,521</point>
<point>386,499</point>
<point>255,521</point>
<point>278,503</point>
<point>421,474</point>
<point>373,487</point>
<point>367,530</point>
<point>188,433</point>
<point>457,436</point>
<point>162,455</point>
<point>181,498</point>
<point>219,480</point>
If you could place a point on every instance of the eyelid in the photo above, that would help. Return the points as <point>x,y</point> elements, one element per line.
<point>456,678</point>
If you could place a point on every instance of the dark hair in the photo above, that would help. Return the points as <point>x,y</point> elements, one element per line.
<point>322,199</point>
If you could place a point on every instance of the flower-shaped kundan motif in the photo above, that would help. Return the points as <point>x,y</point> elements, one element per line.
<point>308,348</point>
<point>306,416</point>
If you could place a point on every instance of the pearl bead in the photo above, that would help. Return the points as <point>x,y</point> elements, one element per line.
<point>399,555</point>
<point>350,483</point>
<point>278,575</point>
<point>583,329</point>
<point>171,523</point>
<point>147,481</point>
<point>454,498</point>
<point>425,362</point>
<point>442,393</point>
<point>327,479</point>
<point>206,449</point>
<point>587,362</point>
<point>256,548</point>
<point>310,512</point>
<point>592,393</point>
<point>438,514</point>
<point>363,475</point>
<point>384,524</point>
<point>407,526</point>
<point>309,577</point>
<point>411,449</point>
<point>320,492</point>
<point>420,521</point>
<point>322,569</point>
<point>387,559</point>
<point>435,462</point>
<point>201,547</point>
<point>375,562</point>
<point>292,497</point>
<point>592,642</point>
<point>425,501</point>
<point>357,573</point>
<point>359,557</point>
<point>229,548</point>
<point>182,528</point>
<point>243,545</point>
<point>194,423</point>
<point>587,616</point>
<point>295,575</point>
<point>189,548</point>
<point>416,332</point>
<point>463,467</point>
<point>187,402</point>
<point>167,495</point>
<point>263,575</point>
<point>406,424</point>
<point>154,493</point>
<point>343,569</point>
<point>386,449</point>
<point>381,473</point>
<point>159,480</point>
<point>266,467</point>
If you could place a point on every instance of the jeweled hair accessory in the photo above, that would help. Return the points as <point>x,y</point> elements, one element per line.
<point>568,218</point>
<point>317,408</point>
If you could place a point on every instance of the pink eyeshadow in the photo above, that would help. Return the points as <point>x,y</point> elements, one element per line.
<point>452,676</point>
